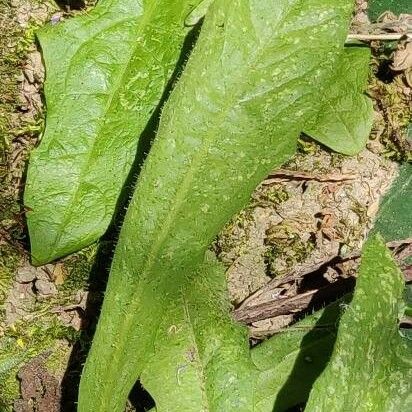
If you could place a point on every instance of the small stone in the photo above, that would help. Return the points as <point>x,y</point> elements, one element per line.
<point>26,274</point>
<point>36,63</point>
<point>45,272</point>
<point>28,73</point>
<point>72,318</point>
<point>45,288</point>
<point>56,18</point>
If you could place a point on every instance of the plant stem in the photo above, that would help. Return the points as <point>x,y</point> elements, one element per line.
<point>382,37</point>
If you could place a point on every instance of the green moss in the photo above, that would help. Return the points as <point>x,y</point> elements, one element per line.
<point>79,267</point>
<point>270,195</point>
<point>336,159</point>
<point>10,259</point>
<point>360,210</point>
<point>9,70</point>
<point>283,244</point>
<point>307,146</point>
<point>26,339</point>
<point>233,239</point>
<point>9,391</point>
<point>15,42</point>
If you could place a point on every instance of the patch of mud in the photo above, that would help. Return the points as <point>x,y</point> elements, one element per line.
<point>40,291</point>
<point>323,206</point>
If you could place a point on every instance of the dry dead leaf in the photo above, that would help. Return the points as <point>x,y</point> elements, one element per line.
<point>402,58</point>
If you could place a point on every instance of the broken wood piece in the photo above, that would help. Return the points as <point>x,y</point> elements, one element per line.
<point>379,37</point>
<point>268,301</point>
<point>295,304</point>
<point>283,175</point>
<point>268,291</point>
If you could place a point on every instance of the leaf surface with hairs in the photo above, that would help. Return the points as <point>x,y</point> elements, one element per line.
<point>250,85</point>
<point>106,72</point>
<point>369,347</point>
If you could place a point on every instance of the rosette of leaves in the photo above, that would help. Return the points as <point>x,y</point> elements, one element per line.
<point>260,73</point>
<point>250,86</point>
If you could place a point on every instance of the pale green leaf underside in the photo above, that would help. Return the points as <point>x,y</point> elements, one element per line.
<point>371,365</point>
<point>345,118</point>
<point>105,74</point>
<point>249,86</point>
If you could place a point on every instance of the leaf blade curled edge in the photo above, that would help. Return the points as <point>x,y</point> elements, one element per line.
<point>235,114</point>
<point>105,74</point>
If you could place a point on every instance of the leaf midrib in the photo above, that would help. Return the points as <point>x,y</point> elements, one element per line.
<point>200,155</point>
<point>147,15</point>
<point>180,196</point>
<point>200,372</point>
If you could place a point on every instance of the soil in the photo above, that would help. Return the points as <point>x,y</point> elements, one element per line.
<point>40,390</point>
<point>300,234</point>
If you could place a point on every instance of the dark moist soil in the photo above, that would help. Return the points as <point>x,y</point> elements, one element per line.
<point>299,238</point>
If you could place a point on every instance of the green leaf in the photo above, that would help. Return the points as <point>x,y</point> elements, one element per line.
<point>377,7</point>
<point>395,212</point>
<point>371,365</point>
<point>290,361</point>
<point>106,72</point>
<point>201,359</point>
<point>345,118</point>
<point>198,13</point>
<point>202,362</point>
<point>250,85</point>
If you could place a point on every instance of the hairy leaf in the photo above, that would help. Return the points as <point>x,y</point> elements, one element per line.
<point>250,85</point>
<point>371,365</point>
<point>201,359</point>
<point>345,118</point>
<point>200,353</point>
<point>106,72</point>
<point>395,213</point>
<point>198,13</point>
